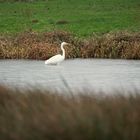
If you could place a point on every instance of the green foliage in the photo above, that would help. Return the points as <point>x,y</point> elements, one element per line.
<point>81,17</point>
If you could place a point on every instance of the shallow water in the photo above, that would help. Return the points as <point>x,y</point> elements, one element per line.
<point>76,74</point>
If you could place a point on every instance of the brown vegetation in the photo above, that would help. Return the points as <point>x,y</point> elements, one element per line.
<point>26,115</point>
<point>32,45</point>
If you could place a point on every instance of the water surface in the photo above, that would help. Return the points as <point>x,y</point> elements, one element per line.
<point>76,74</point>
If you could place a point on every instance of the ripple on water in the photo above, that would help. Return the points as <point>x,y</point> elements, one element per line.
<point>97,74</point>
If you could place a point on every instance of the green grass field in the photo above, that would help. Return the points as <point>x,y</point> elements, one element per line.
<point>81,17</point>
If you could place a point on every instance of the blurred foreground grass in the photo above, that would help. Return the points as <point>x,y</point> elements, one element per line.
<point>43,115</point>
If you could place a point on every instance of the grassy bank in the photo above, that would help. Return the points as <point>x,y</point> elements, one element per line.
<point>34,29</point>
<point>81,17</point>
<point>34,45</point>
<point>43,115</point>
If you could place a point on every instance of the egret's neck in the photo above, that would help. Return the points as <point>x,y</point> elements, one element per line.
<point>63,51</point>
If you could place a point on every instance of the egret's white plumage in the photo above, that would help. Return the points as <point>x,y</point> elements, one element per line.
<point>57,58</point>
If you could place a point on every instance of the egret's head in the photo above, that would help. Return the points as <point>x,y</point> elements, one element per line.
<point>64,43</point>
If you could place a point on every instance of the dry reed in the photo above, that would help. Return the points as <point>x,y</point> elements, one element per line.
<point>33,45</point>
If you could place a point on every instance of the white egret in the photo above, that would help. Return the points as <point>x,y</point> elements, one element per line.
<point>54,60</point>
